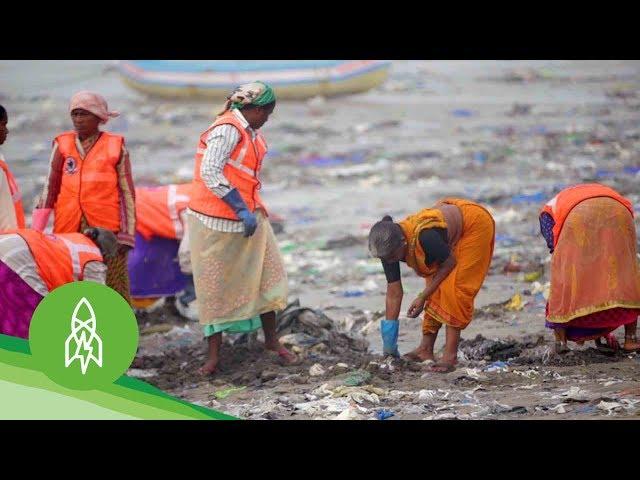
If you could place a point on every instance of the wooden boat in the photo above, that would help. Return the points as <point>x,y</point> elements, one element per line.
<point>291,79</point>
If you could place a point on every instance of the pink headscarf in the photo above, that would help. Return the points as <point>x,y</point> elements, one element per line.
<point>94,103</point>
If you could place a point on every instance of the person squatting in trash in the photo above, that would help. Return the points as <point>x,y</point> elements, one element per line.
<point>160,263</point>
<point>90,184</point>
<point>33,263</point>
<point>595,280</point>
<point>238,271</point>
<point>451,246</point>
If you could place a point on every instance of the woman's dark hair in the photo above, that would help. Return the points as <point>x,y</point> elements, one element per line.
<point>3,113</point>
<point>385,237</point>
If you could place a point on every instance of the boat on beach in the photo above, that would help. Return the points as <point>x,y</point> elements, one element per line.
<point>291,79</point>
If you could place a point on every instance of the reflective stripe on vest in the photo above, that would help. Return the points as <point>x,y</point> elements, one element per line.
<point>236,162</point>
<point>75,249</point>
<point>172,203</point>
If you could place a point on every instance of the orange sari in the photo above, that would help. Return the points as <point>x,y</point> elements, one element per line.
<point>452,302</point>
<point>594,265</point>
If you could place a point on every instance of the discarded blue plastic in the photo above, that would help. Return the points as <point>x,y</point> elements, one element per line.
<point>462,113</point>
<point>529,198</point>
<point>631,170</point>
<point>507,240</point>
<point>586,409</point>
<point>496,366</point>
<point>538,130</point>
<point>318,161</point>
<point>353,293</point>
<point>605,174</point>
<point>384,414</point>
<point>480,157</point>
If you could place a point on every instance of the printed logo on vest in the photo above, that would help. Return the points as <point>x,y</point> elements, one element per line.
<point>70,165</point>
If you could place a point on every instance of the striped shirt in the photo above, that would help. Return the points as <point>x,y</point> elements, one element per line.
<point>220,143</point>
<point>126,191</point>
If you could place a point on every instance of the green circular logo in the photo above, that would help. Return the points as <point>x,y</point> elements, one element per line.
<point>83,335</point>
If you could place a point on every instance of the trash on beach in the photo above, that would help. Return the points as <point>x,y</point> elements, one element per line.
<point>357,378</point>
<point>515,304</point>
<point>222,394</point>
<point>497,367</point>
<point>316,370</point>
<point>384,414</point>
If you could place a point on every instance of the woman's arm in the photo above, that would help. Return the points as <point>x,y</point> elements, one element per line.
<point>393,301</point>
<point>127,234</point>
<point>54,179</point>
<point>443,272</point>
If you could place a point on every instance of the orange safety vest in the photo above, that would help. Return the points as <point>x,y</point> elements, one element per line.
<point>89,186</point>
<point>561,205</point>
<point>411,227</point>
<point>158,210</point>
<point>242,170</point>
<point>60,258</point>
<point>16,196</point>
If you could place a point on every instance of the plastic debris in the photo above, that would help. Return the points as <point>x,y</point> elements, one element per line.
<point>461,112</point>
<point>137,373</point>
<point>532,276</point>
<point>222,394</point>
<point>357,378</point>
<point>515,304</point>
<point>609,407</point>
<point>316,370</point>
<point>384,414</point>
<point>496,367</point>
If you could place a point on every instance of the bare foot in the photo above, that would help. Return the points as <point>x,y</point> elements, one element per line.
<point>631,343</point>
<point>208,368</point>
<point>419,355</point>
<point>442,367</point>
<point>560,348</point>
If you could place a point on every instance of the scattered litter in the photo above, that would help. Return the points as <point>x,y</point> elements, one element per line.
<point>609,407</point>
<point>496,367</point>
<point>316,370</point>
<point>357,378</point>
<point>137,373</point>
<point>222,394</point>
<point>515,304</point>
<point>384,414</point>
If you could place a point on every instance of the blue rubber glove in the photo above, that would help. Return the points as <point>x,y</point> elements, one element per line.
<point>235,201</point>
<point>389,331</point>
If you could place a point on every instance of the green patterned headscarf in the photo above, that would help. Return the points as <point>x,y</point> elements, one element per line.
<point>255,93</point>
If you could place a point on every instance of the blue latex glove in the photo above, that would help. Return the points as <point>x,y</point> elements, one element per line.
<point>235,201</point>
<point>389,331</point>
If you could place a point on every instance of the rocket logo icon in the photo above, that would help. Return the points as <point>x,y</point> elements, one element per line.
<point>83,343</point>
